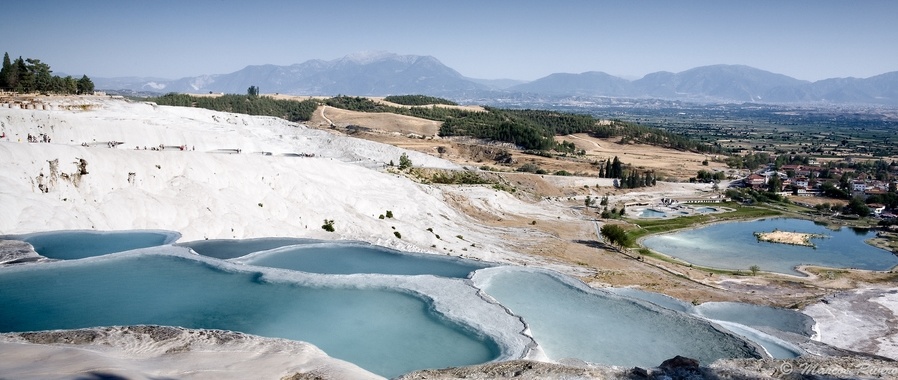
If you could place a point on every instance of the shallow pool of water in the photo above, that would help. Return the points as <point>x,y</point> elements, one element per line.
<point>349,258</point>
<point>733,245</point>
<point>388,332</point>
<point>652,213</point>
<point>232,248</point>
<point>71,245</point>
<point>571,321</point>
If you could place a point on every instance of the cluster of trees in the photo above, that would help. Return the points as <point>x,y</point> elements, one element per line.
<point>355,103</point>
<point>250,104</point>
<point>707,176</point>
<point>629,179</point>
<point>631,133</point>
<point>611,169</point>
<point>751,161</point>
<point>855,206</point>
<point>32,75</point>
<point>252,91</point>
<point>635,179</point>
<point>569,147</point>
<point>754,195</point>
<point>418,100</point>
<point>458,177</point>
<point>528,129</point>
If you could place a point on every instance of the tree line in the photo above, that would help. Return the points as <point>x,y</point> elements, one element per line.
<point>418,100</point>
<point>249,104</point>
<point>31,75</point>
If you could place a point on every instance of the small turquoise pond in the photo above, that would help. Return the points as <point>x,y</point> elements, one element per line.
<point>570,320</point>
<point>72,245</point>
<point>652,213</point>
<point>733,245</point>
<point>336,258</point>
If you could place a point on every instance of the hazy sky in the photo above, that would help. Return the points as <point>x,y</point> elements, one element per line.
<point>518,39</point>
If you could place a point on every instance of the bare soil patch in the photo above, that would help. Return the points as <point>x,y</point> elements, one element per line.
<point>390,123</point>
<point>787,237</point>
<point>666,162</point>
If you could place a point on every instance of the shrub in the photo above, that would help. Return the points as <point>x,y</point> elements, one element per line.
<point>404,162</point>
<point>398,235</point>
<point>529,168</point>
<point>328,225</point>
<point>389,214</point>
<point>754,270</point>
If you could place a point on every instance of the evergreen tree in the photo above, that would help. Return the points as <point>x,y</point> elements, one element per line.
<point>608,169</point>
<point>70,85</point>
<point>85,85</point>
<point>404,162</point>
<point>23,81</point>
<point>5,72</point>
<point>774,184</point>
<point>616,170</point>
<point>40,72</point>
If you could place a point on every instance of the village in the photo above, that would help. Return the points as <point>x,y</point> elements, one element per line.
<point>838,184</point>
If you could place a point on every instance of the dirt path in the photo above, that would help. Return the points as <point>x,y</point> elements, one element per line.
<point>329,121</point>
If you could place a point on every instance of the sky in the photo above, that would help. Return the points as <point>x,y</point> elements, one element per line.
<point>498,39</point>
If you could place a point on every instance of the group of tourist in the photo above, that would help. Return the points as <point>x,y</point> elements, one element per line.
<point>39,138</point>
<point>162,147</point>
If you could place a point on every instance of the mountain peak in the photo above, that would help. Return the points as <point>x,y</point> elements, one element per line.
<point>366,57</point>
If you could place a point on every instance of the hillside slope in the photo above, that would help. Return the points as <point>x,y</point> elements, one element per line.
<point>285,180</point>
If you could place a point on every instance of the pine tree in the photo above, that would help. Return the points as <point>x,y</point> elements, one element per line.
<point>40,74</point>
<point>85,85</point>
<point>4,72</point>
<point>18,77</point>
<point>616,170</point>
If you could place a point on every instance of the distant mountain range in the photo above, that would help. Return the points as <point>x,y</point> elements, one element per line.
<point>381,74</point>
